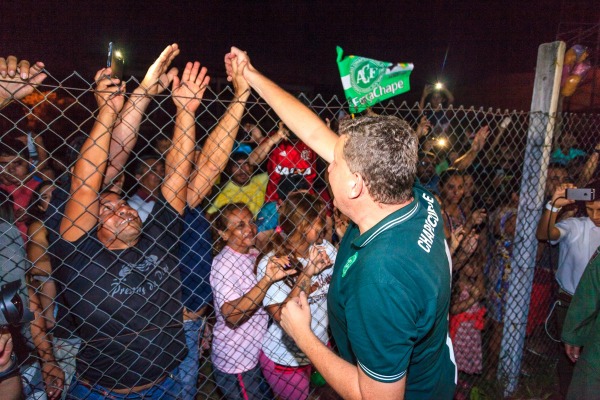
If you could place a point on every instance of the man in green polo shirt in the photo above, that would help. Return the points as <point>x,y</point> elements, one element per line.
<point>390,292</point>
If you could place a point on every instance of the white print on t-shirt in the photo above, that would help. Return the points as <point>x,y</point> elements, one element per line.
<point>428,233</point>
<point>305,155</point>
<point>319,288</point>
<point>292,171</point>
<point>120,286</point>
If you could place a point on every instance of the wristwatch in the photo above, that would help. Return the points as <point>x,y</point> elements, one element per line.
<point>13,369</point>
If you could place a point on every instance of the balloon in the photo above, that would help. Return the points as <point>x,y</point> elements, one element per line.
<point>570,57</point>
<point>570,85</point>
<point>581,69</point>
<point>580,52</point>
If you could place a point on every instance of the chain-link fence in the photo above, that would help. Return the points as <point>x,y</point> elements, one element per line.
<point>111,313</point>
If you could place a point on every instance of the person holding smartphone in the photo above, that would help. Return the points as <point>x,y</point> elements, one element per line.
<point>578,238</point>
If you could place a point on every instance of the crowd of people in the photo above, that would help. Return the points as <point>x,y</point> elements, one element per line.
<point>133,261</point>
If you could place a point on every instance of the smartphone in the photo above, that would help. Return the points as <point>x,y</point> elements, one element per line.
<point>115,61</point>
<point>581,194</point>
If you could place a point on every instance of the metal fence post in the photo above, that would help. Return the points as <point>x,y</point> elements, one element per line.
<point>537,153</point>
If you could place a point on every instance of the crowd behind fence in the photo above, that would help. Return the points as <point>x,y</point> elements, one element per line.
<point>271,197</point>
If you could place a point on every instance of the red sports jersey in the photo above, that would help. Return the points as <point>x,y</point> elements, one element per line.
<point>290,158</point>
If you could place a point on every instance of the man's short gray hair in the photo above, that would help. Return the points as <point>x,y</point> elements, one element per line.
<point>383,150</point>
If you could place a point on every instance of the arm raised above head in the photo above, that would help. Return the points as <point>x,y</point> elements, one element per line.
<point>124,137</point>
<point>81,211</point>
<point>187,94</point>
<point>211,161</point>
<point>298,118</point>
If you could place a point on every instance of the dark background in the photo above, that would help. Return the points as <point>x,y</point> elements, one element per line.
<point>292,42</point>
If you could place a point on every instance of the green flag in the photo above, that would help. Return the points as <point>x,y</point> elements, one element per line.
<point>367,82</point>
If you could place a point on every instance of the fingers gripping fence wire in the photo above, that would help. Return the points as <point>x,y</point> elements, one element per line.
<point>189,238</point>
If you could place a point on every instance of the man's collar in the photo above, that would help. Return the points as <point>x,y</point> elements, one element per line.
<point>395,218</point>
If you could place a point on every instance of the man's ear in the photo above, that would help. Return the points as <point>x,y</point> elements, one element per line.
<point>356,186</point>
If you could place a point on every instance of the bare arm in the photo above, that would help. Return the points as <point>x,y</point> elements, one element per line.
<point>239,310</point>
<point>427,90</point>
<point>124,137</point>
<point>499,136</point>
<point>81,211</point>
<point>297,117</point>
<point>546,229</point>
<point>464,161</point>
<point>37,250</point>
<point>187,95</point>
<point>587,172</point>
<point>318,261</point>
<point>211,161</point>
<point>348,380</point>
<point>53,375</point>
<point>260,153</point>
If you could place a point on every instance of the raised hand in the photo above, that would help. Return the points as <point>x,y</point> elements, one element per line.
<point>318,260</point>
<point>109,91</point>
<point>480,138</point>
<point>236,64</point>
<point>18,78</point>
<point>159,76</point>
<point>187,92</point>
<point>424,127</point>
<point>282,132</point>
<point>275,269</point>
<point>559,198</point>
<point>427,90</point>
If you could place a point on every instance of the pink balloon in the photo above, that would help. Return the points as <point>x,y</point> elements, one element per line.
<point>581,69</point>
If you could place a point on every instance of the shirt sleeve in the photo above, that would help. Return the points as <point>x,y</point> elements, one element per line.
<point>566,228</point>
<point>584,306</point>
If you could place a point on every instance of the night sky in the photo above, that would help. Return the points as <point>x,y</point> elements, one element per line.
<point>291,42</point>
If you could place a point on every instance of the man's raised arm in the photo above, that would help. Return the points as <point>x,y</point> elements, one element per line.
<point>124,137</point>
<point>187,94</point>
<point>296,116</point>
<point>211,161</point>
<point>81,211</point>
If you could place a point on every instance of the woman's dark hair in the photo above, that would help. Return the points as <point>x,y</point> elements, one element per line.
<point>220,223</point>
<point>33,209</point>
<point>446,175</point>
<point>7,212</point>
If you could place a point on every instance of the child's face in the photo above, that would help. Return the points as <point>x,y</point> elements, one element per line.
<point>314,231</point>
<point>241,230</point>
<point>14,169</point>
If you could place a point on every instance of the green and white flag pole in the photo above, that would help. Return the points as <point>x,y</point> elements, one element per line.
<point>366,81</point>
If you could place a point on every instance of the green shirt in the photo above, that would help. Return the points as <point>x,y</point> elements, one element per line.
<point>582,324</point>
<point>389,298</point>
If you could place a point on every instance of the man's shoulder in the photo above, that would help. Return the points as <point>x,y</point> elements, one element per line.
<point>260,179</point>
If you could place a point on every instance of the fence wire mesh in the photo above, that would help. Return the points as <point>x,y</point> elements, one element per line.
<point>192,307</point>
